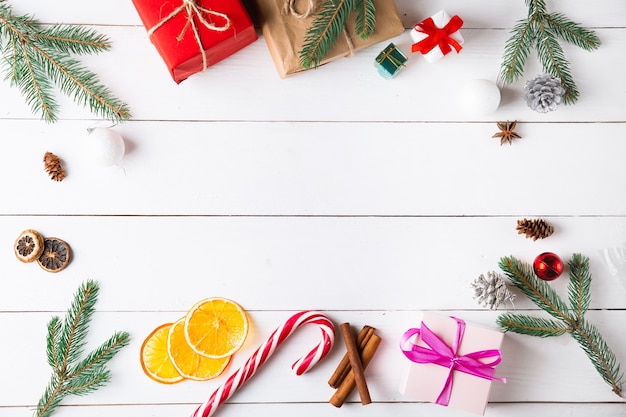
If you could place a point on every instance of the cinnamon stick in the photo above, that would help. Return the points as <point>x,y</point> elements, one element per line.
<point>355,363</point>
<point>344,365</point>
<point>349,382</point>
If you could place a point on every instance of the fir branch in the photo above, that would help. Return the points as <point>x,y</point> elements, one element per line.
<point>587,336</point>
<point>324,31</point>
<point>365,18</point>
<point>36,57</point>
<point>52,341</point>
<point>541,30</point>
<point>539,291</point>
<point>602,357</point>
<point>517,49</point>
<point>72,40</point>
<point>532,326</point>
<point>554,62</point>
<point>572,32</point>
<point>579,288</point>
<point>65,342</point>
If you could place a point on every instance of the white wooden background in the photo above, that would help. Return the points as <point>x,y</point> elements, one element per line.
<point>337,190</point>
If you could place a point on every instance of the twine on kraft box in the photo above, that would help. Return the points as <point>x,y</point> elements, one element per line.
<point>194,10</point>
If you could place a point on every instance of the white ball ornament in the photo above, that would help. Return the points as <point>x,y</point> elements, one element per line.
<point>480,97</point>
<point>105,146</point>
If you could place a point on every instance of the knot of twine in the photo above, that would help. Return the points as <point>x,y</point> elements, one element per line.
<point>192,9</point>
<point>291,8</point>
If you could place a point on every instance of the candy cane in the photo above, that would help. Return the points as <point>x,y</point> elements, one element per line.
<point>258,358</point>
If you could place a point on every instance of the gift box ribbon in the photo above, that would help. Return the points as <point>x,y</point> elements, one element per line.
<point>387,55</point>
<point>438,352</point>
<point>438,36</point>
<point>193,10</point>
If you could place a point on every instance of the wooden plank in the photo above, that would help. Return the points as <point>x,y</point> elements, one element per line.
<point>349,410</point>
<point>347,168</point>
<point>479,13</point>
<point>533,366</point>
<point>241,87</point>
<point>287,263</point>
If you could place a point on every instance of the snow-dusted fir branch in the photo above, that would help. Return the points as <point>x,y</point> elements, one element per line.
<point>37,59</point>
<point>541,30</point>
<point>73,374</point>
<point>567,317</point>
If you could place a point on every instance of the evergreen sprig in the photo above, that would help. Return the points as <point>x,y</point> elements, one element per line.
<point>328,24</point>
<point>569,319</point>
<point>36,58</point>
<point>65,343</point>
<point>541,30</point>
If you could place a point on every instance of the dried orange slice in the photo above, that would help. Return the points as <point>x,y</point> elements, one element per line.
<point>154,358</point>
<point>216,327</point>
<point>188,362</point>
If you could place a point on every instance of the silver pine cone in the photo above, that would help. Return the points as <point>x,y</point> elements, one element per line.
<point>491,291</point>
<point>544,93</point>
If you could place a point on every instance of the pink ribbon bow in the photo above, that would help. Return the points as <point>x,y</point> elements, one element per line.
<point>438,36</point>
<point>441,354</point>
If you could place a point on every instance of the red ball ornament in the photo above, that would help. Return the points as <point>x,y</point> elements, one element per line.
<point>548,266</point>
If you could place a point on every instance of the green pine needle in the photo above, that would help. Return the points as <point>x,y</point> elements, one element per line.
<point>65,343</point>
<point>532,326</point>
<point>324,31</point>
<point>601,356</point>
<point>587,336</point>
<point>539,291</point>
<point>517,49</point>
<point>553,60</point>
<point>572,32</point>
<point>365,18</point>
<point>579,289</point>
<point>37,58</point>
<point>541,31</point>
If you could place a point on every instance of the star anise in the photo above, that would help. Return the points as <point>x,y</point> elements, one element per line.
<point>507,132</point>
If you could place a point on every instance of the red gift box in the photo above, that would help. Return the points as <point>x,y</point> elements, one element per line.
<point>191,35</point>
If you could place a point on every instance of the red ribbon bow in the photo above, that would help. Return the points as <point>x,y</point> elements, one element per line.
<point>441,354</point>
<point>438,36</point>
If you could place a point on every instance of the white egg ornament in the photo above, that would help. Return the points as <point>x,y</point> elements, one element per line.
<point>105,146</point>
<point>480,97</point>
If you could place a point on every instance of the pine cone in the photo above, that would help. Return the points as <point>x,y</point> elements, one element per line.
<point>491,291</point>
<point>544,93</point>
<point>535,228</point>
<point>52,165</point>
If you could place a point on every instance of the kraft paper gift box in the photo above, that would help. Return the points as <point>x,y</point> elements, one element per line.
<point>437,36</point>
<point>462,383</point>
<point>191,35</point>
<point>284,30</point>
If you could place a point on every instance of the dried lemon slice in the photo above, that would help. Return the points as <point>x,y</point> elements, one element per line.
<point>55,256</point>
<point>216,327</point>
<point>188,362</point>
<point>155,361</point>
<point>29,245</point>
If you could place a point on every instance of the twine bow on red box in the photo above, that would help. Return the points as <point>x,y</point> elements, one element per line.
<point>438,36</point>
<point>193,11</point>
<point>439,353</point>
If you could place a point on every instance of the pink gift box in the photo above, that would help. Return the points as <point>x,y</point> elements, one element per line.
<point>437,36</point>
<point>468,384</point>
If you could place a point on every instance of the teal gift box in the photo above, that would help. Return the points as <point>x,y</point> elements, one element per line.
<point>390,61</point>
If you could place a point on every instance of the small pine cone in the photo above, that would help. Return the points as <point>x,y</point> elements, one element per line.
<point>491,291</point>
<point>544,93</point>
<point>52,165</point>
<point>535,228</point>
